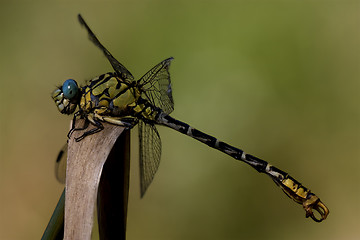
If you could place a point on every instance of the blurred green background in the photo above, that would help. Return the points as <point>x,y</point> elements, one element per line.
<point>279,79</point>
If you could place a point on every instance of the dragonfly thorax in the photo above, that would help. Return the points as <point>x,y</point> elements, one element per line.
<point>109,95</point>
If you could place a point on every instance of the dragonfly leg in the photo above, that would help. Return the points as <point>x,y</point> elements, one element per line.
<point>73,128</point>
<point>94,121</point>
<point>127,122</point>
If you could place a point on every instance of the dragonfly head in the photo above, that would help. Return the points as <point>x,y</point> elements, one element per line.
<point>66,97</point>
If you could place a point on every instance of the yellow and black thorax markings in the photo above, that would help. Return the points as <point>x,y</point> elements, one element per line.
<point>110,95</point>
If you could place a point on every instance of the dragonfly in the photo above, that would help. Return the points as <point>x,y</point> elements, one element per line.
<point>117,98</point>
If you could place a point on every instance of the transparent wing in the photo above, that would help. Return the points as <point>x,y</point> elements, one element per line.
<point>150,153</point>
<point>118,67</point>
<point>60,165</point>
<point>156,86</point>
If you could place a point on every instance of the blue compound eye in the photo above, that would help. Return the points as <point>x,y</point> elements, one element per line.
<point>70,88</point>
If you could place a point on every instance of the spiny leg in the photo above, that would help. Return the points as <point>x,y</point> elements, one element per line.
<point>73,128</point>
<point>90,132</point>
<point>94,121</point>
<point>127,122</point>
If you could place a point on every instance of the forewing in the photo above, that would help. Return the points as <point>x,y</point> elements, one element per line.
<point>150,153</point>
<point>60,165</point>
<point>118,67</point>
<point>156,86</point>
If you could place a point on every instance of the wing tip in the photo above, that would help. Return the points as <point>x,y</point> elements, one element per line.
<point>81,19</point>
<point>169,59</point>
